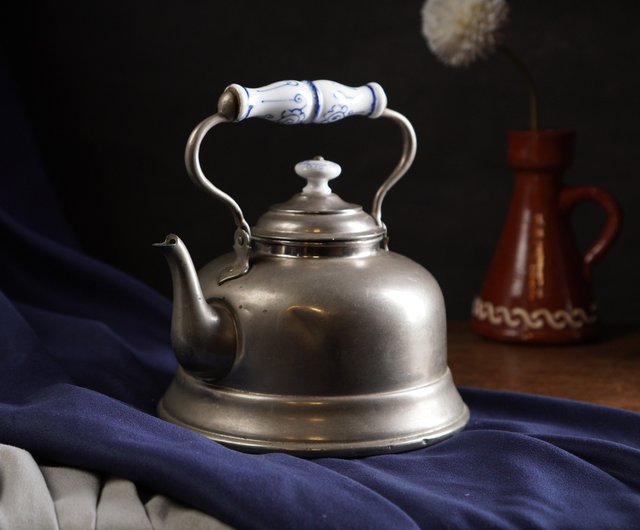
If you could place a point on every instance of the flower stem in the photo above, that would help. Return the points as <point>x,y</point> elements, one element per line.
<point>533,93</point>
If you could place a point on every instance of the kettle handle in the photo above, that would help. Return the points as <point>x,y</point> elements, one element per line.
<point>295,102</point>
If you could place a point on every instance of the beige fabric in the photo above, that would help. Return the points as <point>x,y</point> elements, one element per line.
<point>25,502</point>
<point>74,493</point>
<point>119,507</point>
<point>63,498</point>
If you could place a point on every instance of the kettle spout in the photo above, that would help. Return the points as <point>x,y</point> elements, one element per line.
<point>203,335</point>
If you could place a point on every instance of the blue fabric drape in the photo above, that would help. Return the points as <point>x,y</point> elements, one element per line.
<point>85,356</point>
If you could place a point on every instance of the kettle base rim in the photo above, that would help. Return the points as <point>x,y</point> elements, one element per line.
<point>317,426</point>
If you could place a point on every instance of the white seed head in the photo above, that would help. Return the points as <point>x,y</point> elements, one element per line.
<point>461,31</point>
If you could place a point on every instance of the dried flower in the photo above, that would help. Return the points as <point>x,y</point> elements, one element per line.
<point>461,31</point>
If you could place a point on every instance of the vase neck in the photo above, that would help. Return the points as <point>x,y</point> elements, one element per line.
<point>547,151</point>
<point>538,182</point>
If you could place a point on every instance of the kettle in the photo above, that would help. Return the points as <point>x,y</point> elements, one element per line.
<point>311,337</point>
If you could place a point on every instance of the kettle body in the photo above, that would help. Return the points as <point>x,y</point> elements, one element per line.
<point>317,371</point>
<point>312,337</point>
<point>298,337</point>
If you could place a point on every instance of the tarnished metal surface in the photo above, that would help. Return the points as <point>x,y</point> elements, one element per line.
<point>312,337</point>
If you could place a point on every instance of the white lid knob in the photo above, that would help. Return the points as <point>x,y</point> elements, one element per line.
<point>318,173</point>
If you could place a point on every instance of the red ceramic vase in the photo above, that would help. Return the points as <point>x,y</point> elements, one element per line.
<point>538,287</point>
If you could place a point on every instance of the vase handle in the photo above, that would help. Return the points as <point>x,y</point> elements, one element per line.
<point>570,196</point>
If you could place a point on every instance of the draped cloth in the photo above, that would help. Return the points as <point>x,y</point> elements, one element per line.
<point>85,357</point>
<point>39,497</point>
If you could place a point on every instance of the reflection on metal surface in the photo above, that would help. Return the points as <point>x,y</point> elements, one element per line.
<point>333,249</point>
<point>306,308</point>
<point>413,305</point>
<point>299,403</point>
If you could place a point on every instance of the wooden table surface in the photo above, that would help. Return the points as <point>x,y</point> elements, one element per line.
<point>606,372</point>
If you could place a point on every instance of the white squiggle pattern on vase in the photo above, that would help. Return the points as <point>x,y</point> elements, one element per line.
<point>517,316</point>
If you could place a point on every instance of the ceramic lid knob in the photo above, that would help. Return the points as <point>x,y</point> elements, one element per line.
<point>316,214</point>
<point>318,172</point>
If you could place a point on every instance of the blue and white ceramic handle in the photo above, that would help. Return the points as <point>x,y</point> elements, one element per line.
<point>295,102</point>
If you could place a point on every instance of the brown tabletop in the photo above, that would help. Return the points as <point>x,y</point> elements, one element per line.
<point>606,372</point>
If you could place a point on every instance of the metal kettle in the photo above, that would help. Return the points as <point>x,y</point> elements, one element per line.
<point>311,338</point>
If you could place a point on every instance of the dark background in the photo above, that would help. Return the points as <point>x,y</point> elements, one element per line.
<point>114,88</point>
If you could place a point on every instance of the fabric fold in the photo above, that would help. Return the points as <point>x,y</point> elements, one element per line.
<point>85,356</point>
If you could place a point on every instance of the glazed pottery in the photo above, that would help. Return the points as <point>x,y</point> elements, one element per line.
<point>539,285</point>
<point>312,337</point>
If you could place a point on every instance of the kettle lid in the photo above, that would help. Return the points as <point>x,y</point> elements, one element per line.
<point>316,214</point>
